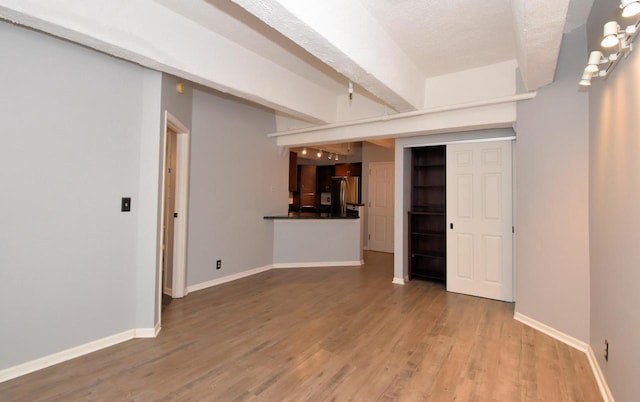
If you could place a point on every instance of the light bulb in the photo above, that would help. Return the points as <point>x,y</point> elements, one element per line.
<point>319,154</point>
<point>304,151</point>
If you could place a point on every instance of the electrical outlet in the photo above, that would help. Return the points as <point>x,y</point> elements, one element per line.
<point>606,350</point>
<point>218,264</point>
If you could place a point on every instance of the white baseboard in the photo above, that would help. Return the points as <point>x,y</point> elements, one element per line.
<point>76,351</point>
<point>229,278</point>
<point>552,332</point>
<point>317,264</point>
<point>575,343</point>
<point>147,332</point>
<point>607,396</point>
<point>398,281</point>
<point>68,354</point>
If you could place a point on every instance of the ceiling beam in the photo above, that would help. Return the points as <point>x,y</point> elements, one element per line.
<point>538,25</point>
<point>343,35</point>
<point>153,36</point>
<point>480,117</point>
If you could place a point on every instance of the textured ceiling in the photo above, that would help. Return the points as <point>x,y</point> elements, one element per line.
<point>448,36</point>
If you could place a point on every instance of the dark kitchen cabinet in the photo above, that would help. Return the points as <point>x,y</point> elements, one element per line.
<point>427,218</point>
<point>307,186</point>
<point>349,169</point>
<point>293,172</point>
<point>323,178</point>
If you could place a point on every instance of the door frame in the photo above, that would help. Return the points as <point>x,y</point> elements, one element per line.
<point>178,287</point>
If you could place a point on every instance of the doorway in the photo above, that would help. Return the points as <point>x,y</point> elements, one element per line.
<point>169,214</point>
<point>480,260</point>
<point>175,190</point>
<point>380,216</point>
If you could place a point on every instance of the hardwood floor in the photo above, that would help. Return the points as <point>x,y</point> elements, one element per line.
<point>315,334</point>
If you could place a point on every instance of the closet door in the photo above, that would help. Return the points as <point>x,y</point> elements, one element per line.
<point>479,219</point>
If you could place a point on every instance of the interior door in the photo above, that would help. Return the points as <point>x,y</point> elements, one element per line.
<point>169,212</point>
<point>380,216</point>
<point>479,216</point>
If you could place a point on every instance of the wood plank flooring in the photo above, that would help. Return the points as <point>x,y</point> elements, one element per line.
<point>324,334</point>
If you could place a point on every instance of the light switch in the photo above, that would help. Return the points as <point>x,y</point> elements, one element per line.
<point>126,204</point>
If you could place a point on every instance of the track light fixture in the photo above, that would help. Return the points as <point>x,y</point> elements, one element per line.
<point>599,65</point>
<point>304,151</point>
<point>595,59</point>
<point>319,154</point>
<point>630,8</point>
<point>610,34</point>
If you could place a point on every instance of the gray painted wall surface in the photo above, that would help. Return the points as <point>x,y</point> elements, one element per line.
<point>238,176</point>
<point>615,214</point>
<point>179,105</point>
<point>371,153</point>
<point>552,227</point>
<point>72,121</point>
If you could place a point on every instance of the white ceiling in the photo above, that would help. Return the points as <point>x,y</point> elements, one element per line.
<point>448,36</point>
<point>298,57</point>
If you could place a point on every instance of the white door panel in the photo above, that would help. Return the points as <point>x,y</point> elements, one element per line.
<point>380,215</point>
<point>479,205</point>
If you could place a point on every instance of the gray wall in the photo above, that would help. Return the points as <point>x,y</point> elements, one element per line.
<point>178,104</point>
<point>614,212</point>
<point>371,153</point>
<point>552,184</point>
<point>71,262</point>
<point>238,175</point>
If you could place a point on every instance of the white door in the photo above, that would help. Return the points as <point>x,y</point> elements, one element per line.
<point>479,218</point>
<point>380,217</point>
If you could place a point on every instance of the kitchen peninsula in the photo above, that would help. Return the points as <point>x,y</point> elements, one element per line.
<point>311,239</point>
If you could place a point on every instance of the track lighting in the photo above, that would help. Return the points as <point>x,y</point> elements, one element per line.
<point>630,8</point>
<point>304,151</point>
<point>336,157</point>
<point>595,59</point>
<point>610,34</point>
<point>319,154</point>
<point>330,156</point>
<point>599,65</point>
<point>586,80</point>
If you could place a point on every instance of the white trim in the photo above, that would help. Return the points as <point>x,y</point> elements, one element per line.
<point>398,281</point>
<point>433,110</point>
<point>607,396</point>
<point>317,264</point>
<point>178,288</point>
<point>167,291</point>
<point>229,278</point>
<point>575,343</point>
<point>147,332</point>
<point>68,354</point>
<point>76,351</point>
<point>552,332</point>
<point>182,202</point>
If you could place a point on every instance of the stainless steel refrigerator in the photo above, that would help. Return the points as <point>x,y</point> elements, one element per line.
<point>344,190</point>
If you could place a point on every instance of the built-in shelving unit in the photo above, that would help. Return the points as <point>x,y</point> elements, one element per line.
<point>427,218</point>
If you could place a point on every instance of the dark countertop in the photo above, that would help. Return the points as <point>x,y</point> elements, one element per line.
<point>311,215</point>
